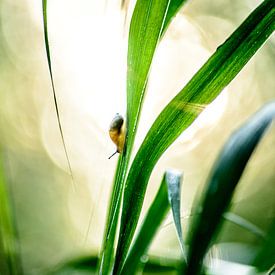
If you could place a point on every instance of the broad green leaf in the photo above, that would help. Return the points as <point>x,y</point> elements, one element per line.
<point>149,19</point>
<point>150,225</point>
<point>265,259</point>
<point>222,182</point>
<point>173,179</point>
<point>147,25</point>
<point>46,38</point>
<point>203,88</point>
<point>9,255</point>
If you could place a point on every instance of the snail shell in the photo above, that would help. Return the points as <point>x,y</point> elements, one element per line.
<point>117,132</point>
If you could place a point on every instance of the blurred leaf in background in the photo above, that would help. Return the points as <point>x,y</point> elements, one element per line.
<point>10,262</point>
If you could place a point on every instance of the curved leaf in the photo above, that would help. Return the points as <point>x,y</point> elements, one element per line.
<point>223,180</point>
<point>46,38</point>
<point>173,179</point>
<point>245,224</point>
<point>148,21</point>
<point>204,87</point>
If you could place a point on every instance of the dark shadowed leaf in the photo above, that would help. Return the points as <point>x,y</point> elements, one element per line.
<point>265,260</point>
<point>222,182</point>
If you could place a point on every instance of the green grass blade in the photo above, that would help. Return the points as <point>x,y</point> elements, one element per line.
<point>9,256</point>
<point>145,31</point>
<point>147,24</point>
<point>46,38</point>
<point>149,227</point>
<point>149,20</point>
<point>107,251</point>
<point>245,224</point>
<point>265,259</point>
<point>174,194</point>
<point>203,88</point>
<point>222,182</point>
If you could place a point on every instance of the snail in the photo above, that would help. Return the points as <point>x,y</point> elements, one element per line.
<point>117,133</point>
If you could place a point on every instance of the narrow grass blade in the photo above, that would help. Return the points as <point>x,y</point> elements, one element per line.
<point>265,259</point>
<point>9,258</point>
<point>45,23</point>
<point>203,88</point>
<point>237,220</point>
<point>149,227</point>
<point>149,20</point>
<point>173,179</point>
<point>245,224</point>
<point>107,250</point>
<point>222,182</point>
<point>147,25</point>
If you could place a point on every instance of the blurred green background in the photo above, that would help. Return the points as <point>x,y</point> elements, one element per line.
<point>88,40</point>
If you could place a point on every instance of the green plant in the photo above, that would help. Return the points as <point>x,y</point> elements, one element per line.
<point>209,211</point>
<point>149,22</point>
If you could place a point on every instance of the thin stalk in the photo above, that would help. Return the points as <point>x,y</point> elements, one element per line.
<point>47,47</point>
